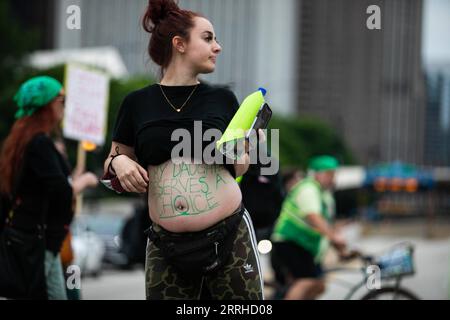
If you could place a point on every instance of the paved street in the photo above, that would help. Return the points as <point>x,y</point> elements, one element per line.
<point>431,281</point>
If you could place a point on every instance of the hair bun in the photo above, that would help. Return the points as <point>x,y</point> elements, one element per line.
<point>158,10</point>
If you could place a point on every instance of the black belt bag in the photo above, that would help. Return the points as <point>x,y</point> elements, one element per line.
<point>198,253</point>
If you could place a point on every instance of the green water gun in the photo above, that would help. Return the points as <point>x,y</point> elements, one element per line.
<point>241,122</point>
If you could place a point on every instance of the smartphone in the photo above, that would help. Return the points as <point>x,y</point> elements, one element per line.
<point>261,120</point>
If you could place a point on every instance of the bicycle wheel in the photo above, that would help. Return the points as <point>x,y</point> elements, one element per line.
<point>390,293</point>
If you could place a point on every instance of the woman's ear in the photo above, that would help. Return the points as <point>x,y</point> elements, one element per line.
<point>179,44</point>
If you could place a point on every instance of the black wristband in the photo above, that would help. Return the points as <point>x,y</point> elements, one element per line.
<point>113,156</point>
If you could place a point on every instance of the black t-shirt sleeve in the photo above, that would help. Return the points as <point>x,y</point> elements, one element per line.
<point>123,131</point>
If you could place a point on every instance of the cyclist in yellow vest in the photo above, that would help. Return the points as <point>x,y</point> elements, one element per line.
<point>303,231</point>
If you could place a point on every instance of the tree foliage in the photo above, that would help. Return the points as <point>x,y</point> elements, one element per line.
<point>303,138</point>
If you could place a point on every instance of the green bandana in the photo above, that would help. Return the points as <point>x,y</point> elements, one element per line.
<point>36,93</point>
<point>323,163</point>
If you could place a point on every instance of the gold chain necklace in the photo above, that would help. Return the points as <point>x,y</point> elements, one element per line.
<point>168,101</point>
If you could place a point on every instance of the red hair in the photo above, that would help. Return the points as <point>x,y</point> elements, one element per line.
<point>165,20</point>
<point>21,133</point>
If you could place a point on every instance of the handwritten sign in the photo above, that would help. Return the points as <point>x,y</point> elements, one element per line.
<point>86,108</point>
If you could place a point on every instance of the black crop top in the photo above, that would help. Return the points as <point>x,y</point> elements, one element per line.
<point>146,120</point>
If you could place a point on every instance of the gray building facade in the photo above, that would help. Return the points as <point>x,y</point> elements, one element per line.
<point>437,133</point>
<point>259,49</point>
<point>367,84</point>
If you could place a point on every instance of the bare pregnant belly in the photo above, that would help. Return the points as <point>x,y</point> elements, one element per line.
<point>190,197</point>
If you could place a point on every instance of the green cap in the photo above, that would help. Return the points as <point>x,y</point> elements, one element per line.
<point>323,163</point>
<point>35,93</point>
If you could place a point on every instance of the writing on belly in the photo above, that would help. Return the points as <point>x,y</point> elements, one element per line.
<point>185,189</point>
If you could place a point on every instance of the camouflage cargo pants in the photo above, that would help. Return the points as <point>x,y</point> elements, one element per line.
<point>240,278</point>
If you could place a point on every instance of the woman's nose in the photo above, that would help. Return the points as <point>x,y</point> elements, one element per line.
<point>217,48</point>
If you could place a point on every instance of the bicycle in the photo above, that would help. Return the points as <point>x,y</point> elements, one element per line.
<point>393,265</point>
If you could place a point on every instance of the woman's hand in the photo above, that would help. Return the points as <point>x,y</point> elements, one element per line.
<point>338,242</point>
<point>90,180</point>
<point>84,181</point>
<point>259,140</point>
<point>261,136</point>
<point>243,163</point>
<point>132,177</point>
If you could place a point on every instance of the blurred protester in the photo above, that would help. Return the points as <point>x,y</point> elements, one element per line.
<point>34,176</point>
<point>262,195</point>
<point>66,252</point>
<point>133,236</point>
<point>290,177</point>
<point>303,231</point>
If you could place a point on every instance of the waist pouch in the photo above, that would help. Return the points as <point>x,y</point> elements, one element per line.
<point>198,253</point>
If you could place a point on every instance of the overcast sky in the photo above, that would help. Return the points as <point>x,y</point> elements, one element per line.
<point>436,31</point>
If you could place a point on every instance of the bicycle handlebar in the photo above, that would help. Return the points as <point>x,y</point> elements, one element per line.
<point>355,254</point>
